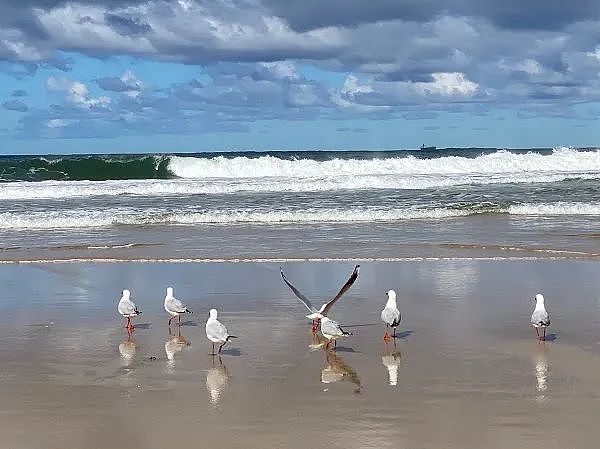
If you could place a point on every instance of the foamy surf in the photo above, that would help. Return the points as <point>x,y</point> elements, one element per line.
<point>271,174</point>
<point>77,219</point>
<point>561,160</point>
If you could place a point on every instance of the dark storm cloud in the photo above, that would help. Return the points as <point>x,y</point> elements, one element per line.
<point>510,14</point>
<point>127,25</point>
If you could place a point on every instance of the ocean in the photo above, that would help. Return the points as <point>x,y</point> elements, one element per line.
<point>304,204</point>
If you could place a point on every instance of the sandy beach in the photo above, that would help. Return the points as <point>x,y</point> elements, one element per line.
<point>466,372</point>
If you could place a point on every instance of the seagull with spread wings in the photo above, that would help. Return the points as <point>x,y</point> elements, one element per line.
<point>317,314</point>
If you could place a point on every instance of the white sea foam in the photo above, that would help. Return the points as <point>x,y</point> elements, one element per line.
<point>102,218</point>
<point>562,160</point>
<point>222,175</point>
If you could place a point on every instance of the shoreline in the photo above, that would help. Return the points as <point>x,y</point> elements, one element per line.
<point>590,258</point>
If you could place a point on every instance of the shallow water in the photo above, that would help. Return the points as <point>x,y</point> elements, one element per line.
<point>466,372</point>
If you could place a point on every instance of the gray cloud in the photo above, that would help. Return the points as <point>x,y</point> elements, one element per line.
<point>509,14</point>
<point>127,25</point>
<point>18,93</point>
<point>125,83</point>
<point>403,58</point>
<point>15,105</point>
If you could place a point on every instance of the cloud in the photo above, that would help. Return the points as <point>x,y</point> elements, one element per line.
<point>125,83</point>
<point>127,25</point>
<point>18,93</point>
<point>77,93</point>
<point>410,59</point>
<point>15,105</point>
<point>510,14</point>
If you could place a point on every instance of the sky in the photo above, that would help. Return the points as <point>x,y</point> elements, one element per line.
<point>107,76</point>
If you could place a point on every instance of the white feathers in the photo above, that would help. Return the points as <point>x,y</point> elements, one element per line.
<point>126,306</point>
<point>173,305</point>
<point>332,330</point>
<point>215,330</point>
<point>390,314</point>
<point>540,317</point>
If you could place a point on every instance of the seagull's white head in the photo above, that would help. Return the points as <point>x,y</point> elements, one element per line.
<point>539,298</point>
<point>391,294</point>
<point>126,294</point>
<point>325,319</point>
<point>170,291</point>
<point>213,313</point>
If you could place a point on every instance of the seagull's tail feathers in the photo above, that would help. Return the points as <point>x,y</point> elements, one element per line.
<point>229,337</point>
<point>188,310</point>
<point>346,332</point>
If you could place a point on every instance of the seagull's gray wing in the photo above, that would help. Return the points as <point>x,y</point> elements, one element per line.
<point>298,294</point>
<point>175,305</point>
<point>343,290</point>
<point>331,328</point>
<point>127,307</point>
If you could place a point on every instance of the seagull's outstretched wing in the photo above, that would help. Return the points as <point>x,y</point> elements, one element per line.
<point>343,290</point>
<point>298,294</point>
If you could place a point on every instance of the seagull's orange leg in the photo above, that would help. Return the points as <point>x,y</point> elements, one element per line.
<point>386,336</point>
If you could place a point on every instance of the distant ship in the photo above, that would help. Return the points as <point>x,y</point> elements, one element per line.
<point>423,147</point>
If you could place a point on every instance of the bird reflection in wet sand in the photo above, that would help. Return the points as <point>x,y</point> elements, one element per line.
<point>392,360</point>
<point>175,344</point>
<point>317,342</point>
<point>337,369</point>
<point>540,361</point>
<point>127,349</point>
<point>216,380</point>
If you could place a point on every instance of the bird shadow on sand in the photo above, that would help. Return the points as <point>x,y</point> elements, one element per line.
<point>189,323</point>
<point>403,335</point>
<point>235,352</point>
<point>143,325</point>
<point>550,337</point>
<point>343,349</point>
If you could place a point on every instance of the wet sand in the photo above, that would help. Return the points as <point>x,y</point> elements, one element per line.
<point>467,371</point>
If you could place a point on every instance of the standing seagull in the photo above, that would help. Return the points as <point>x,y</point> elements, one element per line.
<point>539,317</point>
<point>174,306</point>
<point>390,315</point>
<point>317,314</point>
<point>216,331</point>
<point>128,309</point>
<point>332,330</point>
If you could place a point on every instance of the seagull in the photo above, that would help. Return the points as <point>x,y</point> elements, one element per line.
<point>216,331</point>
<point>128,309</point>
<point>332,330</point>
<point>390,315</point>
<point>539,317</point>
<point>174,306</point>
<point>318,314</point>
